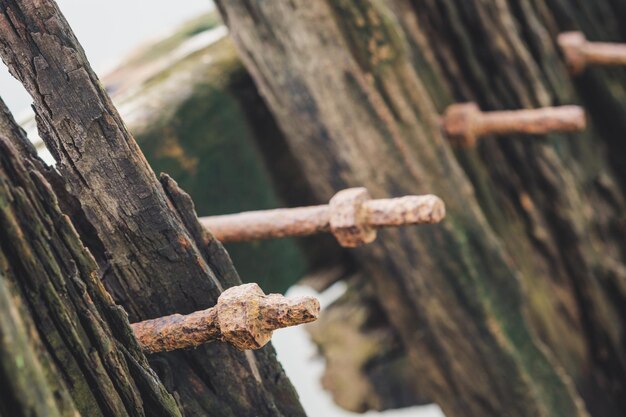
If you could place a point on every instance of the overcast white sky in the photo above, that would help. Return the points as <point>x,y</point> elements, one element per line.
<point>109,30</point>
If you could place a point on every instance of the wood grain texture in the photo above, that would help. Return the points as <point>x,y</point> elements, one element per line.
<point>152,264</point>
<point>564,193</point>
<point>67,349</point>
<point>531,244</point>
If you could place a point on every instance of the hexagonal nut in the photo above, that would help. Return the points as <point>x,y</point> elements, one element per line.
<point>239,317</point>
<point>348,218</point>
<point>572,44</point>
<point>459,122</point>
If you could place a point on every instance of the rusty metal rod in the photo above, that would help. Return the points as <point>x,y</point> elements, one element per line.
<point>580,53</point>
<point>351,216</point>
<point>244,317</point>
<point>465,123</point>
<point>268,224</point>
<point>531,121</point>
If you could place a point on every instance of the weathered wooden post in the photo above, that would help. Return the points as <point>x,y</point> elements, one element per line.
<point>516,253</point>
<point>143,233</point>
<point>65,348</point>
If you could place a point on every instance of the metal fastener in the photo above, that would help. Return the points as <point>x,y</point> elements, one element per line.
<point>580,53</point>
<point>465,123</point>
<point>244,317</point>
<point>350,215</point>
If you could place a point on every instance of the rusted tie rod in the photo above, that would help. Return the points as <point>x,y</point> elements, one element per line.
<point>580,53</point>
<point>243,316</point>
<point>350,215</point>
<point>464,123</point>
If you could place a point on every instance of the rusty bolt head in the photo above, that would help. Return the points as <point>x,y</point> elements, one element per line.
<point>348,218</point>
<point>572,45</point>
<point>459,123</point>
<point>247,316</point>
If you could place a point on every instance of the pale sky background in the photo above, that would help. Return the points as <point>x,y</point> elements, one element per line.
<point>109,31</point>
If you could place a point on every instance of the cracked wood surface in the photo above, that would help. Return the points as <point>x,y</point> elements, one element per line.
<point>152,265</point>
<point>66,348</point>
<point>531,245</point>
